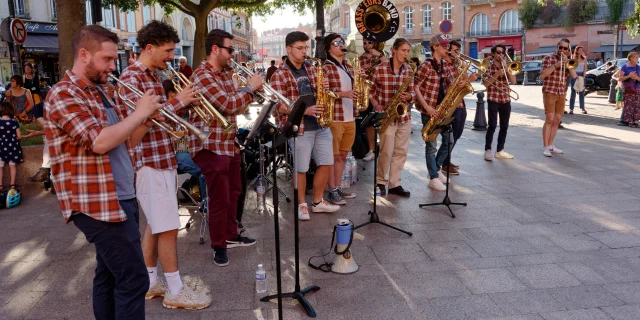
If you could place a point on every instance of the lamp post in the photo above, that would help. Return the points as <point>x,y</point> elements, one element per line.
<point>320,53</point>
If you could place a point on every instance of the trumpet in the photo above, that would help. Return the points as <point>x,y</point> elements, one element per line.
<point>207,106</point>
<point>483,69</point>
<point>201,135</point>
<point>265,86</point>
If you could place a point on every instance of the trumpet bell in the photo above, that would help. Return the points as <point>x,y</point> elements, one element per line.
<point>515,68</point>
<point>571,64</point>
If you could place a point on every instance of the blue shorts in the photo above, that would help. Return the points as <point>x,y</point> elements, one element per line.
<point>318,143</point>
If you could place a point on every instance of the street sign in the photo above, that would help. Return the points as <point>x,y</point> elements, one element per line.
<point>18,31</point>
<point>605,32</point>
<point>446,26</point>
<point>622,27</point>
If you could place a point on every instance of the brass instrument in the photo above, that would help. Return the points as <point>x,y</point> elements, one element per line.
<point>206,105</point>
<point>325,97</point>
<point>265,86</point>
<point>376,22</point>
<point>396,108</point>
<point>202,136</point>
<point>451,101</point>
<point>514,68</point>
<point>483,69</point>
<point>362,85</point>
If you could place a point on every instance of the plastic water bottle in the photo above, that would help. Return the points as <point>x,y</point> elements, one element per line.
<point>378,194</point>
<point>260,195</point>
<point>353,165</point>
<point>345,180</point>
<point>261,280</point>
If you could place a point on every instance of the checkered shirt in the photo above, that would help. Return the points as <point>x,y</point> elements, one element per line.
<point>284,82</point>
<point>155,150</point>
<point>498,91</point>
<point>365,62</point>
<point>332,73</point>
<point>427,80</point>
<point>386,84</point>
<point>74,117</point>
<point>217,87</point>
<point>555,82</point>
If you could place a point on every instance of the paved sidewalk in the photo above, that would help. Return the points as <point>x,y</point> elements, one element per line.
<point>541,238</point>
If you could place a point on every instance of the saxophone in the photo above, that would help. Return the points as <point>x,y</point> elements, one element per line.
<point>325,97</point>
<point>396,108</point>
<point>362,85</point>
<point>451,100</point>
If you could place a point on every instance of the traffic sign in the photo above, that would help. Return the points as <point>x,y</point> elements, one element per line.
<point>446,26</point>
<point>622,27</point>
<point>18,31</point>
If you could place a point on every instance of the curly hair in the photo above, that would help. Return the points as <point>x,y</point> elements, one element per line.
<point>157,33</point>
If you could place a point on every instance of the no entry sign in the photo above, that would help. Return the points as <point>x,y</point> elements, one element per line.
<point>18,31</point>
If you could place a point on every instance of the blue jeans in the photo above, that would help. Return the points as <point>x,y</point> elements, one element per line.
<point>572,99</point>
<point>186,165</point>
<point>435,157</point>
<point>121,279</point>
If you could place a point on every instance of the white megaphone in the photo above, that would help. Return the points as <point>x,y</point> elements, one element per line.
<point>343,263</point>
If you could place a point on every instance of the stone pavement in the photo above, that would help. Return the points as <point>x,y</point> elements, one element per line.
<point>541,238</point>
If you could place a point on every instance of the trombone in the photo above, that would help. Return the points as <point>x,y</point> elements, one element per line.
<point>483,68</point>
<point>515,67</point>
<point>183,81</point>
<point>201,135</point>
<point>267,88</point>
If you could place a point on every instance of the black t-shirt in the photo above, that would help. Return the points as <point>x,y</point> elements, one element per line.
<point>304,89</point>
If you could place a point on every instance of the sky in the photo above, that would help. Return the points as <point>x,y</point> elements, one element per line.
<point>284,18</point>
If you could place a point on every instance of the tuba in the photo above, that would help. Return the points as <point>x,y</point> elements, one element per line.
<point>396,108</point>
<point>325,97</point>
<point>451,100</point>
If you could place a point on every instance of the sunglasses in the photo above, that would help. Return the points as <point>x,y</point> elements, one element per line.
<point>338,43</point>
<point>499,52</point>
<point>229,49</point>
<point>563,48</point>
<point>368,42</point>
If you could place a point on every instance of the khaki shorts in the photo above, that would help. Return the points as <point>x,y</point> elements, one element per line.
<point>156,193</point>
<point>344,134</point>
<point>553,103</point>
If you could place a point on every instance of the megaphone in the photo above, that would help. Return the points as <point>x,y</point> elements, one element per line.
<point>343,263</point>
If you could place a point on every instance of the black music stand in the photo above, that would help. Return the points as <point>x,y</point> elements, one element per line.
<point>290,130</point>
<point>374,118</point>
<point>445,127</point>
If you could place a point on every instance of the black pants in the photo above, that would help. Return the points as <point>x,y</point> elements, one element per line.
<point>121,280</point>
<point>457,127</point>
<point>504,111</point>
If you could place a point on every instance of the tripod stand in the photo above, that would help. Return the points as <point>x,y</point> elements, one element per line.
<point>374,118</point>
<point>261,174</point>
<point>446,128</point>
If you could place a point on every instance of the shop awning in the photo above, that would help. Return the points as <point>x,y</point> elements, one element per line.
<point>486,50</point>
<point>246,53</point>
<point>542,51</point>
<point>609,48</point>
<point>41,43</point>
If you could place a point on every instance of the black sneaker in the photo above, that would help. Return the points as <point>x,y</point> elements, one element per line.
<point>400,192</point>
<point>584,111</point>
<point>220,257</point>
<point>383,189</point>
<point>570,112</point>
<point>240,241</point>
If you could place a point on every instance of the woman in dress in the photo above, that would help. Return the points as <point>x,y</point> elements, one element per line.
<point>579,55</point>
<point>19,97</point>
<point>628,75</point>
<point>10,151</point>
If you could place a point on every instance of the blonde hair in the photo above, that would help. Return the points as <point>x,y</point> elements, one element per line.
<point>631,54</point>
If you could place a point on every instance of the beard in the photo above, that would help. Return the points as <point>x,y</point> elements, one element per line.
<point>94,75</point>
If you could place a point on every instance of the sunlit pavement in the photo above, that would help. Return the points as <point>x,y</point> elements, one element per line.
<point>541,238</point>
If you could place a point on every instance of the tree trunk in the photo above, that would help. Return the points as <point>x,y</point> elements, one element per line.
<point>199,38</point>
<point>72,15</point>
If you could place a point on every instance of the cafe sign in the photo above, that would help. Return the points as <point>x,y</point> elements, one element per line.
<point>41,27</point>
<point>559,35</point>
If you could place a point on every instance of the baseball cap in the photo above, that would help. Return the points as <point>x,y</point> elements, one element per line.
<point>439,40</point>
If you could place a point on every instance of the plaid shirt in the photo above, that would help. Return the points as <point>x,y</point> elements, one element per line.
<point>498,91</point>
<point>427,80</point>
<point>284,82</point>
<point>386,84</point>
<point>74,117</point>
<point>331,72</point>
<point>217,87</point>
<point>155,150</point>
<point>555,82</point>
<point>365,62</point>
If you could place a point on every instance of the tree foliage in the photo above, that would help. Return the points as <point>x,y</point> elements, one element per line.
<point>579,11</point>
<point>615,11</point>
<point>529,13</point>
<point>550,11</point>
<point>633,22</point>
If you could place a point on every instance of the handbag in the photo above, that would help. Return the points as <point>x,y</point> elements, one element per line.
<point>578,86</point>
<point>629,87</point>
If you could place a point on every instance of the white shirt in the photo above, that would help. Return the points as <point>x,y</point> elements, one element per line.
<point>347,103</point>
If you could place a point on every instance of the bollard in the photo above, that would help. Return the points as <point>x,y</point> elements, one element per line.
<point>525,79</point>
<point>612,91</point>
<point>480,121</point>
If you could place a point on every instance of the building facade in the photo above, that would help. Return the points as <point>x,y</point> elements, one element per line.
<point>337,18</point>
<point>243,36</point>
<point>491,22</point>
<point>270,44</point>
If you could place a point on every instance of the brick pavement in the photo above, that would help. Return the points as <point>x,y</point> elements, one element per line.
<point>541,239</point>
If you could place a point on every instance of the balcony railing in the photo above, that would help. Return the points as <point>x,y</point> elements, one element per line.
<point>408,31</point>
<point>426,30</point>
<point>494,33</point>
<point>511,31</point>
<point>479,33</point>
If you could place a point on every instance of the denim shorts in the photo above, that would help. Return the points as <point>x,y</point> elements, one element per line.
<point>318,143</point>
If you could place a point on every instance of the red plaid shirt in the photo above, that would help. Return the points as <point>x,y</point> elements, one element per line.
<point>217,87</point>
<point>284,82</point>
<point>74,117</point>
<point>427,80</point>
<point>365,62</point>
<point>555,82</point>
<point>332,73</point>
<point>498,91</point>
<point>155,150</point>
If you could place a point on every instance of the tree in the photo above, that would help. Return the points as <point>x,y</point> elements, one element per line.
<point>615,11</point>
<point>529,13</point>
<point>71,17</point>
<point>550,11</point>
<point>633,21</point>
<point>579,11</point>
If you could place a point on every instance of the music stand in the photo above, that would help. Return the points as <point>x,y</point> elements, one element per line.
<point>374,119</point>
<point>290,130</point>
<point>445,127</point>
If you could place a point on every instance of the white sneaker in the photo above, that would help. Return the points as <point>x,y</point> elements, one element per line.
<point>504,155</point>
<point>546,151</point>
<point>186,299</point>
<point>488,155</point>
<point>324,206</point>
<point>369,156</point>
<point>303,212</point>
<point>436,184</point>
<point>157,290</point>
<point>557,150</point>
<point>442,176</point>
